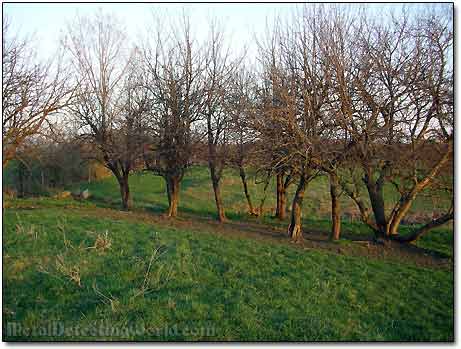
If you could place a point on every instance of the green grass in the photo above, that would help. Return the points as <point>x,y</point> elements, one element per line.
<point>205,286</point>
<point>148,191</point>
<point>440,240</point>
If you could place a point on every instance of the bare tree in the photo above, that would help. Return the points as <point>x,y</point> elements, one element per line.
<point>394,83</point>
<point>32,91</point>
<point>174,67</point>
<point>335,48</point>
<point>296,107</point>
<point>218,73</point>
<point>242,107</point>
<point>274,102</point>
<point>110,105</point>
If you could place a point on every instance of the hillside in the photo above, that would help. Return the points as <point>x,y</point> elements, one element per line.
<point>78,263</point>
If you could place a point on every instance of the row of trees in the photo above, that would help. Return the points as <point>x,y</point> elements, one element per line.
<point>334,92</point>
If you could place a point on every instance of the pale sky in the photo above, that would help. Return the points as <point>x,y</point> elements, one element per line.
<point>47,21</point>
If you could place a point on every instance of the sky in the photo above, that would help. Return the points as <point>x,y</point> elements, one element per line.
<point>47,21</point>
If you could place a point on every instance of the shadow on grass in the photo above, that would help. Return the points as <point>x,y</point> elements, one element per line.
<point>190,182</point>
<point>438,243</point>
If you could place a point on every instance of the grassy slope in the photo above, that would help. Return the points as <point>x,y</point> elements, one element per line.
<point>148,193</point>
<point>239,288</point>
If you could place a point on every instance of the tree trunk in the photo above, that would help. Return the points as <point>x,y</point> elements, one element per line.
<point>407,200</point>
<point>218,200</point>
<point>263,199</point>
<point>335,207</point>
<point>376,195</point>
<point>125,192</point>
<point>396,218</point>
<point>295,228</point>
<point>173,187</point>
<point>425,228</point>
<point>8,154</point>
<point>280,211</point>
<point>245,189</point>
<point>215,179</point>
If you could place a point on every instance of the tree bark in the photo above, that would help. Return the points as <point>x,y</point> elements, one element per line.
<point>335,207</point>
<point>125,192</point>
<point>6,159</point>
<point>245,189</point>
<point>406,201</point>
<point>425,228</point>
<point>173,187</point>
<point>280,211</point>
<point>396,218</point>
<point>376,195</point>
<point>263,199</point>
<point>216,179</point>
<point>218,198</point>
<point>215,174</point>
<point>295,227</point>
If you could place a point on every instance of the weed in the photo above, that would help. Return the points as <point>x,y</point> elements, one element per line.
<point>72,272</point>
<point>103,242</point>
<point>109,299</point>
<point>153,280</point>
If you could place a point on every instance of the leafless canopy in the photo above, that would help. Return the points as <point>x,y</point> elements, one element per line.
<point>31,91</point>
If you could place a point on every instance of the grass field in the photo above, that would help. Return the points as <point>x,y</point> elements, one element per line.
<point>86,265</point>
<point>148,192</point>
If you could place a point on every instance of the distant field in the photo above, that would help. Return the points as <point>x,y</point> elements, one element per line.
<point>149,192</point>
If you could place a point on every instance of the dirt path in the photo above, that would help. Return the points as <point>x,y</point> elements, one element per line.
<point>393,251</point>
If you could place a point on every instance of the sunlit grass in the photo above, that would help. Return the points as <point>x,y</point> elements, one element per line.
<point>241,289</point>
<point>65,261</point>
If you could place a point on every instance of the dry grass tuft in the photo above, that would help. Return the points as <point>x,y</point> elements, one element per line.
<point>72,272</point>
<point>107,299</point>
<point>103,242</point>
<point>154,277</point>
